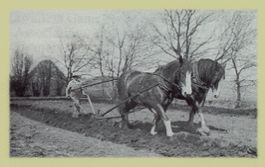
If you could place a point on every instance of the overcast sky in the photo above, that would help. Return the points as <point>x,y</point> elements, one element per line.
<point>38,32</point>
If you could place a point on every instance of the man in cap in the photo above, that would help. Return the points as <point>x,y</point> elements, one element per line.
<point>75,92</point>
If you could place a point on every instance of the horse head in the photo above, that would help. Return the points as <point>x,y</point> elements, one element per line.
<point>211,73</point>
<point>184,78</point>
<point>178,73</point>
<point>218,77</point>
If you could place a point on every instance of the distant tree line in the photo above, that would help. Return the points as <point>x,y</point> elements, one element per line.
<point>21,64</point>
<point>45,79</point>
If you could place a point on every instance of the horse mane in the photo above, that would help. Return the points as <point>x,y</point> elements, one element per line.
<point>172,70</point>
<point>207,69</point>
<point>169,67</point>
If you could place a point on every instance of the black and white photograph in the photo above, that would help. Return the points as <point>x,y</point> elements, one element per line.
<point>133,83</point>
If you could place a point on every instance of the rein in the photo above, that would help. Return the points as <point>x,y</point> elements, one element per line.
<point>129,98</point>
<point>97,83</point>
<point>165,79</point>
<point>139,93</point>
<point>200,86</point>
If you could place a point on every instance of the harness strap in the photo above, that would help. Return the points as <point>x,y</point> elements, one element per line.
<point>97,83</point>
<point>200,86</point>
<point>165,79</point>
<point>163,85</point>
<point>129,98</point>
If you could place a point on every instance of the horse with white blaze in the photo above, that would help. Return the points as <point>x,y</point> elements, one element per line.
<point>206,74</point>
<point>161,85</point>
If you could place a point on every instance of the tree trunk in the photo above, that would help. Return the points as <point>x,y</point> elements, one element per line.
<point>238,95</point>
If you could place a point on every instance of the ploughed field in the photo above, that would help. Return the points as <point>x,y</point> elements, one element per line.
<point>46,128</point>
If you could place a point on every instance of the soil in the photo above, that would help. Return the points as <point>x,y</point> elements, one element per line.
<point>235,136</point>
<point>34,139</point>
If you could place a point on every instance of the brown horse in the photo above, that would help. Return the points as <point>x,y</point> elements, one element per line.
<point>206,74</point>
<point>171,78</point>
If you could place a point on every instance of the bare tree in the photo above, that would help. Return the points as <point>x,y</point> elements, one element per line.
<point>237,43</point>
<point>76,57</point>
<point>129,49</point>
<point>21,64</point>
<point>178,35</point>
<point>99,52</point>
<point>46,79</point>
<point>120,52</point>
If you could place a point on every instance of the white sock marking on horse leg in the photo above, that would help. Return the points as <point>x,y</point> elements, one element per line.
<point>166,121</point>
<point>153,132</point>
<point>203,124</point>
<point>153,129</point>
<point>168,128</point>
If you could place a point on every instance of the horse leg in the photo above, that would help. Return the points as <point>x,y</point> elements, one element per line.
<point>204,130</point>
<point>155,122</point>
<point>167,123</point>
<point>194,108</point>
<point>165,106</point>
<point>125,120</point>
<point>191,118</point>
<point>124,116</point>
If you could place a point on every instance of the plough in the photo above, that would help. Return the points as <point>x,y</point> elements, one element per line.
<point>101,116</point>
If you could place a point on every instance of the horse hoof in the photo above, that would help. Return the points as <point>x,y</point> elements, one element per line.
<point>75,116</point>
<point>204,132</point>
<point>153,133</point>
<point>170,134</point>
